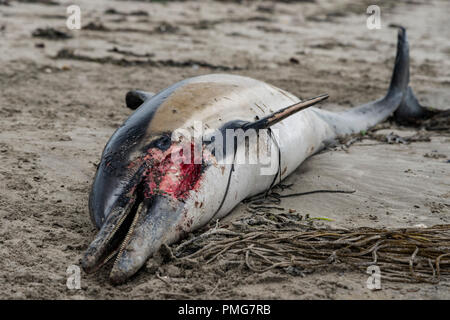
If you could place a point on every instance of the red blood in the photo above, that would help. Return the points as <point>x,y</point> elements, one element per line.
<point>166,176</point>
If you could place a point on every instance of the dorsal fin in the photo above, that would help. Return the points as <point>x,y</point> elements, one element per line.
<point>135,98</point>
<point>279,115</point>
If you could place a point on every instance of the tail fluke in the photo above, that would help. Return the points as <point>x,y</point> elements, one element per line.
<point>400,75</point>
<point>381,109</point>
<point>410,109</point>
<point>368,115</point>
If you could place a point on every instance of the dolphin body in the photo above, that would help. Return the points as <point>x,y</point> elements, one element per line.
<point>141,198</point>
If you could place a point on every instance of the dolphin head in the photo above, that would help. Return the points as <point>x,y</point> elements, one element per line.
<point>142,195</point>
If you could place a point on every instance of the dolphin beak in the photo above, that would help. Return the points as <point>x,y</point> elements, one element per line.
<point>108,239</point>
<point>133,233</point>
<point>139,206</point>
<point>156,222</point>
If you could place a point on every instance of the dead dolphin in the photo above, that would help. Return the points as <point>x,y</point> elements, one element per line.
<point>141,198</point>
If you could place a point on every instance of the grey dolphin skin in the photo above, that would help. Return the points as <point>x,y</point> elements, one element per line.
<point>141,198</point>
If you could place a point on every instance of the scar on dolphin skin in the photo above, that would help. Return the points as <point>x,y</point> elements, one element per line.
<point>140,198</point>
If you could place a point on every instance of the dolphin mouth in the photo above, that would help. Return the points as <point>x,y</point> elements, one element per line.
<point>144,215</point>
<point>115,233</point>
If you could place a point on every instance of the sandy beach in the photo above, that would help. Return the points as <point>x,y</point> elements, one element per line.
<point>63,95</point>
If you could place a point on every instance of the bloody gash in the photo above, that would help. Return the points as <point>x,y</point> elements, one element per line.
<point>152,189</point>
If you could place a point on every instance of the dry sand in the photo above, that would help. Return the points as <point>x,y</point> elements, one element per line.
<point>57,114</point>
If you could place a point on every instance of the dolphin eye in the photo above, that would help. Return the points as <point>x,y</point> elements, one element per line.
<point>163,143</point>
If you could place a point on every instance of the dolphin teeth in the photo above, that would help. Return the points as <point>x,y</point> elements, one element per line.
<point>119,223</point>
<point>98,253</point>
<point>126,240</point>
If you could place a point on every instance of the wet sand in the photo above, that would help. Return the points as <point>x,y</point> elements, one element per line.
<point>61,99</point>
